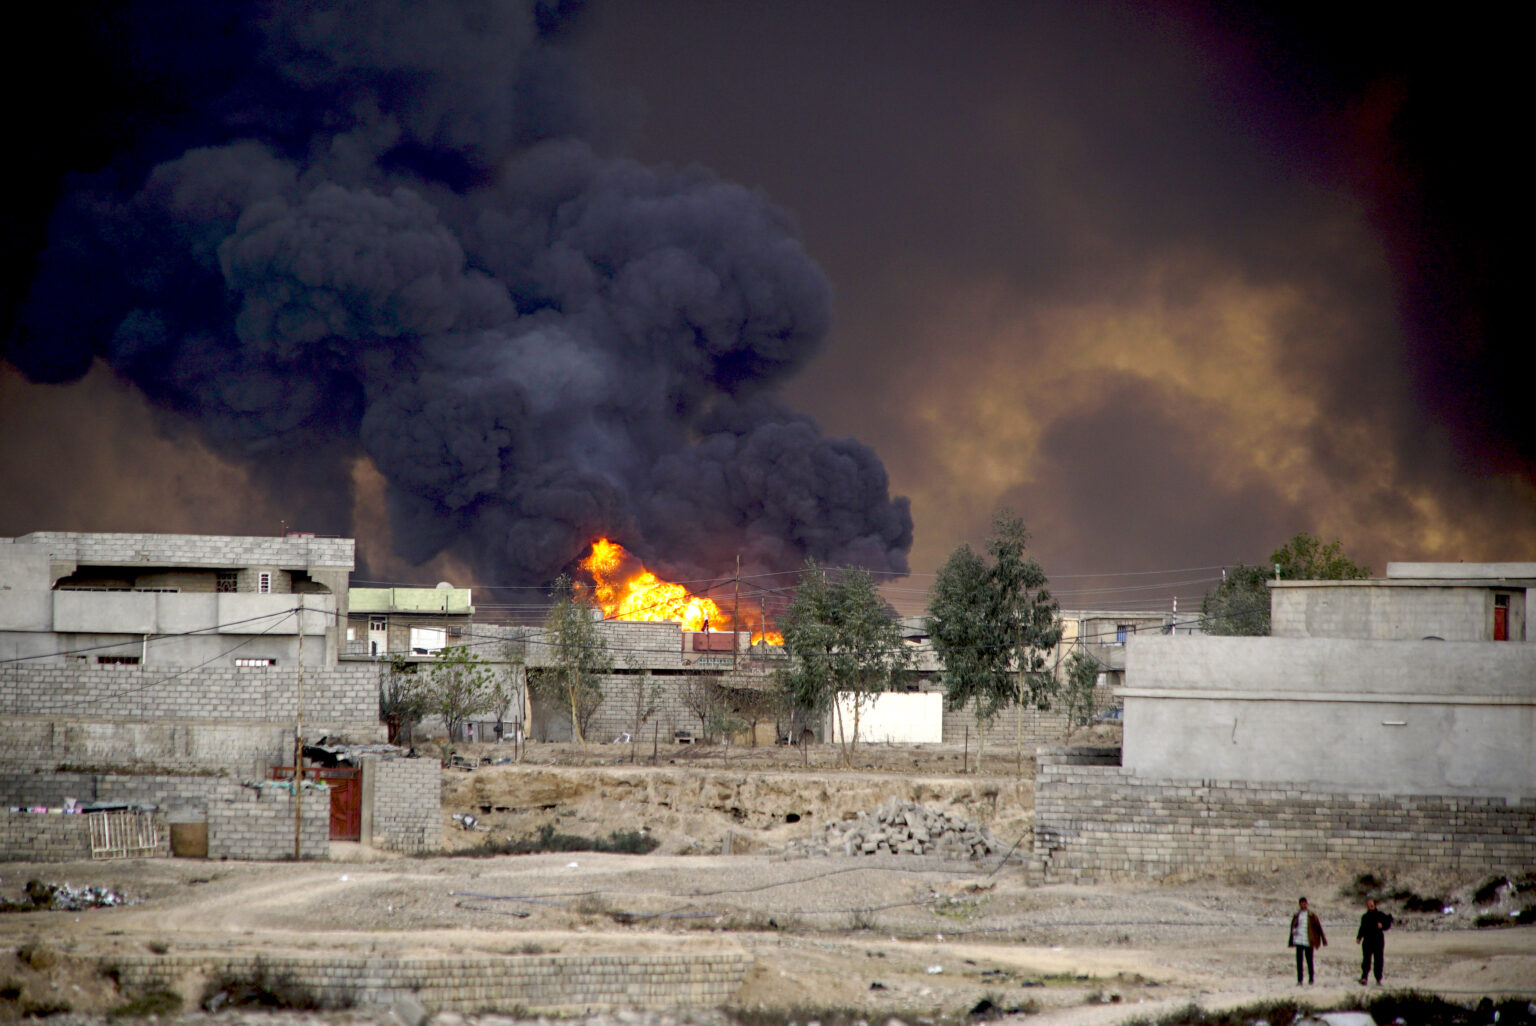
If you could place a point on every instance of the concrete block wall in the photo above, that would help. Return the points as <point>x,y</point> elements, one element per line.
<point>259,824</point>
<point>182,797</point>
<point>211,550</point>
<point>407,804</point>
<point>187,747</point>
<point>345,696</point>
<point>1103,820</point>
<point>41,837</point>
<point>669,693</point>
<point>548,984</point>
<point>1041,727</point>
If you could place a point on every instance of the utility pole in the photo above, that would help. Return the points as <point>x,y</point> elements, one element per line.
<point>298,744</point>
<point>736,616</point>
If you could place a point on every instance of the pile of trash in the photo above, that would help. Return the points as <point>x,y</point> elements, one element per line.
<point>66,897</point>
<point>899,828</point>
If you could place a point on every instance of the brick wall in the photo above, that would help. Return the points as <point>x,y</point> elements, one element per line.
<point>344,695</point>
<point>40,837</point>
<point>259,824</point>
<point>407,804</point>
<point>1092,820</point>
<point>551,984</point>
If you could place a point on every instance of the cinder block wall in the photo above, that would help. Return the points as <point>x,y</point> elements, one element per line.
<point>1040,727</point>
<point>346,694</point>
<point>551,984</point>
<point>38,837</point>
<point>189,796</point>
<point>241,748</point>
<point>1102,820</point>
<point>259,825</point>
<point>407,804</point>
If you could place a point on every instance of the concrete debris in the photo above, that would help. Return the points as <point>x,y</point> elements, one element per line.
<point>899,828</point>
<point>465,820</point>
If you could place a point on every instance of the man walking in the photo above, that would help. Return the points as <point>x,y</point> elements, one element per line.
<point>1306,933</point>
<point>1372,940</point>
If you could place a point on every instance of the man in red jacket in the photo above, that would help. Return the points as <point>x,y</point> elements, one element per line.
<point>1305,934</point>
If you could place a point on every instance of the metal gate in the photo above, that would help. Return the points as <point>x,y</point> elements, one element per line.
<point>122,835</point>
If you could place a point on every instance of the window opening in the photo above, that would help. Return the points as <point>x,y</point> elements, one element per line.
<point>227,581</point>
<point>264,583</point>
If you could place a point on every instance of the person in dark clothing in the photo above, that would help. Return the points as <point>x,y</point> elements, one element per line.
<point>1306,933</point>
<point>1370,937</point>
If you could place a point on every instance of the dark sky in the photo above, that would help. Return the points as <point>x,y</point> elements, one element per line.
<point>1170,283</point>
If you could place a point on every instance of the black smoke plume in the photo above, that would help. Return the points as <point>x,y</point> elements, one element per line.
<point>319,229</point>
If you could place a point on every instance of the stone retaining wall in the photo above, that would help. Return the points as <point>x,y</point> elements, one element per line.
<point>1102,820</point>
<point>550,984</point>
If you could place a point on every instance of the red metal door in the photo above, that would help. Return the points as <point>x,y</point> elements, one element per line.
<point>346,787</point>
<point>1500,623</point>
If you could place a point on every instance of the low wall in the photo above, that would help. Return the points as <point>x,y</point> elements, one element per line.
<point>540,984</point>
<point>243,822</point>
<point>43,837</point>
<point>261,825</point>
<point>407,803</point>
<point>1103,820</point>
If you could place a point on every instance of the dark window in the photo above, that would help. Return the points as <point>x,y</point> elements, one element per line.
<point>105,660</point>
<point>228,580</point>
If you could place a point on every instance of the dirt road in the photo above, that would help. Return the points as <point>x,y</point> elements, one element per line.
<point>889,935</point>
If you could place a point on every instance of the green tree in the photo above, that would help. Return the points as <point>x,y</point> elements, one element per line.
<point>1240,603</point>
<point>578,657</point>
<point>994,623</point>
<point>843,641</point>
<point>403,699</point>
<point>1077,684</point>
<point>460,685</point>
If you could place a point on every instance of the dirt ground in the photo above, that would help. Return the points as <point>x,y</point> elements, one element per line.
<point>912,937</point>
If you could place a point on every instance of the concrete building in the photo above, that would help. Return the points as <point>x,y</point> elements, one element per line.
<point>1355,731</point>
<point>1415,601</point>
<point>171,599</point>
<point>413,622</point>
<point>177,668</point>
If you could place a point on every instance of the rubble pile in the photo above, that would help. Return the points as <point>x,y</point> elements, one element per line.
<point>899,828</point>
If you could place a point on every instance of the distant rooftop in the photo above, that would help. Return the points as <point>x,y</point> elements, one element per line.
<point>441,599</point>
<point>1462,571</point>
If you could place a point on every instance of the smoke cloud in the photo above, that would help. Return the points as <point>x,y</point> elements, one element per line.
<point>399,231</point>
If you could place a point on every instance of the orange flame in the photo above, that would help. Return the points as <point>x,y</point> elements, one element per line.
<point>626,590</point>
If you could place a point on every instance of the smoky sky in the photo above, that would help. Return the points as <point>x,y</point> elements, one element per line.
<point>404,232</point>
<point>1173,281</point>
